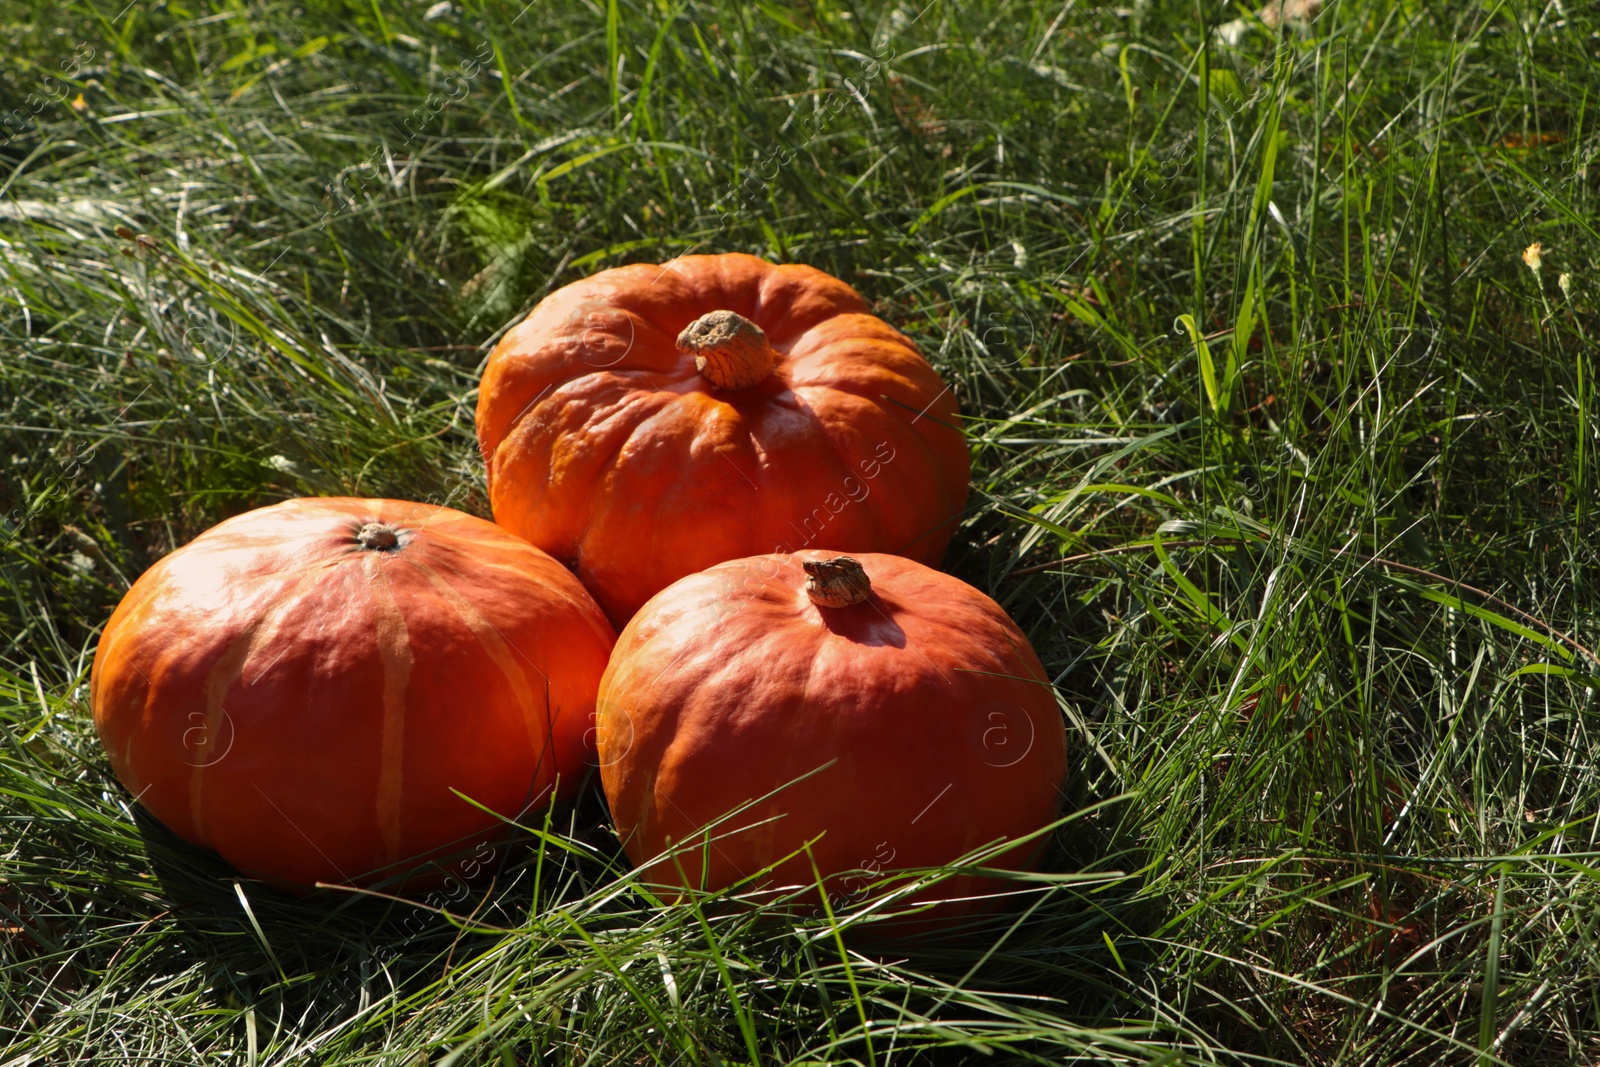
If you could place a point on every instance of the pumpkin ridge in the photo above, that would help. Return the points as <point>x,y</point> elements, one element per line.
<point>835,451</point>
<point>574,550</point>
<point>911,372</point>
<point>580,369</point>
<point>500,652</point>
<point>580,543</point>
<point>821,345</point>
<point>952,509</point>
<point>800,275</point>
<point>216,691</point>
<point>395,657</point>
<point>920,396</point>
<point>671,408</point>
<point>889,414</point>
<point>232,663</point>
<point>739,438</point>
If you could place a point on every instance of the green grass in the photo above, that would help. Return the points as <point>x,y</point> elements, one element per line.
<point>1314,567</point>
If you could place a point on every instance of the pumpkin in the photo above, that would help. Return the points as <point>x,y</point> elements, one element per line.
<point>305,688</point>
<point>891,715</point>
<point>650,421</point>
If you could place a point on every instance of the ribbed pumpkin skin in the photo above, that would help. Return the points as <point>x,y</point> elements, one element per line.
<point>304,705</point>
<point>606,447</point>
<point>731,682</point>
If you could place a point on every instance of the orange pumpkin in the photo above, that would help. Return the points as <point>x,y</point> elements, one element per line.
<point>301,687</point>
<point>910,714</point>
<point>650,421</point>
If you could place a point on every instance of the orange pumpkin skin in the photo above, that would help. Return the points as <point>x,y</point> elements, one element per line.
<point>303,704</point>
<point>943,730</point>
<point>606,447</point>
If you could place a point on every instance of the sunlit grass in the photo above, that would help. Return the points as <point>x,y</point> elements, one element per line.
<point>1283,455</point>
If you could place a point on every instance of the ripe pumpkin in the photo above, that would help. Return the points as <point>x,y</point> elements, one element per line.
<point>923,711</point>
<point>301,687</point>
<point>631,407</point>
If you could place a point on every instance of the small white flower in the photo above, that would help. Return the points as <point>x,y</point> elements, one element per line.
<point>1533,256</point>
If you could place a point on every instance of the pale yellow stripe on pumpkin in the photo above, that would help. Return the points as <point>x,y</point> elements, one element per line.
<point>513,562</point>
<point>505,658</point>
<point>394,653</point>
<point>510,559</point>
<point>223,674</point>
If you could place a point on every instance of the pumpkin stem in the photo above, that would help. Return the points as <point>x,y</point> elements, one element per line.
<point>836,583</point>
<point>378,535</point>
<point>729,350</point>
